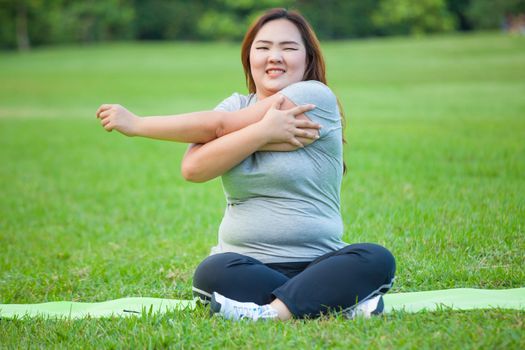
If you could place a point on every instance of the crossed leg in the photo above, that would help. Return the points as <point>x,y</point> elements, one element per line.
<point>336,281</point>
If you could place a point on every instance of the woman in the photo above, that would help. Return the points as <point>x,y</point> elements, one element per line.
<point>280,253</point>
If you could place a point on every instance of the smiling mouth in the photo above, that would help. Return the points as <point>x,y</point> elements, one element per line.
<point>275,71</point>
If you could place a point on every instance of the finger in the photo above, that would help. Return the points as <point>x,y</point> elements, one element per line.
<point>103,108</point>
<point>277,104</point>
<point>108,127</point>
<point>307,124</point>
<point>306,134</point>
<point>105,114</point>
<point>105,122</point>
<point>296,143</point>
<point>301,109</point>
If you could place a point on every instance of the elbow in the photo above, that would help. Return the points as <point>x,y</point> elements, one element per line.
<point>190,172</point>
<point>220,129</point>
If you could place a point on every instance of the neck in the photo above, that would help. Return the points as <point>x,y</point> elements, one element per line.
<point>261,95</point>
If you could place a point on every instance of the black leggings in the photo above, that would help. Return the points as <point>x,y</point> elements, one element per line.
<point>336,281</point>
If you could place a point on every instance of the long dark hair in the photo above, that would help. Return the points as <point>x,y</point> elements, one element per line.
<point>315,64</point>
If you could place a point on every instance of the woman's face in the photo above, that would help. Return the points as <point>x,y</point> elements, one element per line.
<point>277,57</point>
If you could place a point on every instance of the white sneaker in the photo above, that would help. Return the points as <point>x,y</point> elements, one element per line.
<point>367,308</point>
<point>235,310</point>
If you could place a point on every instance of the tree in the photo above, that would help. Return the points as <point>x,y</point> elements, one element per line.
<point>458,9</point>
<point>229,19</point>
<point>335,19</point>
<point>166,19</point>
<point>94,20</point>
<point>18,19</point>
<point>490,14</point>
<point>413,16</point>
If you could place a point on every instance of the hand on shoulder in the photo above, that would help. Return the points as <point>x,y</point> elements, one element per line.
<point>311,91</point>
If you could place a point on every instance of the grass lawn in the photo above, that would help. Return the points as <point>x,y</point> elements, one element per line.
<point>436,158</point>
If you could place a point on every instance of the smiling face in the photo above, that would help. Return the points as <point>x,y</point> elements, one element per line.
<point>277,57</point>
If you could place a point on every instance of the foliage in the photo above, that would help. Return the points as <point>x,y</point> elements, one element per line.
<point>486,14</point>
<point>96,20</point>
<point>413,16</point>
<point>165,19</point>
<point>41,22</point>
<point>61,21</point>
<point>8,27</point>
<point>229,19</point>
<point>340,19</point>
<point>458,9</point>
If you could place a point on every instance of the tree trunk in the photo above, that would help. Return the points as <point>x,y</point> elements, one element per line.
<point>22,37</point>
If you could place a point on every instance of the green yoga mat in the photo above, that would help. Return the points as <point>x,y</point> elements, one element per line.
<point>453,299</point>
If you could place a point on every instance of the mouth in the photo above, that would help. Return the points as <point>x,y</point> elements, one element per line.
<point>273,72</point>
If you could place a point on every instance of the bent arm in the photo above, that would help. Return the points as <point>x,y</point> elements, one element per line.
<point>239,119</point>
<point>203,162</point>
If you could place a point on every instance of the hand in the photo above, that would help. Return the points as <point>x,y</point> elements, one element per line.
<point>116,117</point>
<point>283,126</point>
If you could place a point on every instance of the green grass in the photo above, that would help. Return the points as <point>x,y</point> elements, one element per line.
<point>436,158</point>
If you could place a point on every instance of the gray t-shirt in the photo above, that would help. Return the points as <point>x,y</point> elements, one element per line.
<point>284,206</point>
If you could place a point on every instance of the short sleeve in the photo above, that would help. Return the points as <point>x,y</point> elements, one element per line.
<point>233,103</point>
<point>326,112</point>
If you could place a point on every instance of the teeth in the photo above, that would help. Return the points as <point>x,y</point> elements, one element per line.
<point>275,71</point>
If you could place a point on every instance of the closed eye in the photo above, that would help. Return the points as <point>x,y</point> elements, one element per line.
<point>290,49</point>
<point>261,48</point>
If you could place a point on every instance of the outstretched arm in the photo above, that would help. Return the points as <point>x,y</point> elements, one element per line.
<point>197,127</point>
<point>190,127</point>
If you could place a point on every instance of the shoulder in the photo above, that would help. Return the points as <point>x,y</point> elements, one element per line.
<point>235,102</point>
<point>314,86</point>
<point>311,91</point>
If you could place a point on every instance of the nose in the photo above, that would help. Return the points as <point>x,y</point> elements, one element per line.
<point>275,56</point>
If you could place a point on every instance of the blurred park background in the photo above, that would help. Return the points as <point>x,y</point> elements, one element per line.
<point>27,23</point>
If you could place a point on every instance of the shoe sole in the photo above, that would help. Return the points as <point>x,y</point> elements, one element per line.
<point>380,307</point>
<point>215,306</point>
